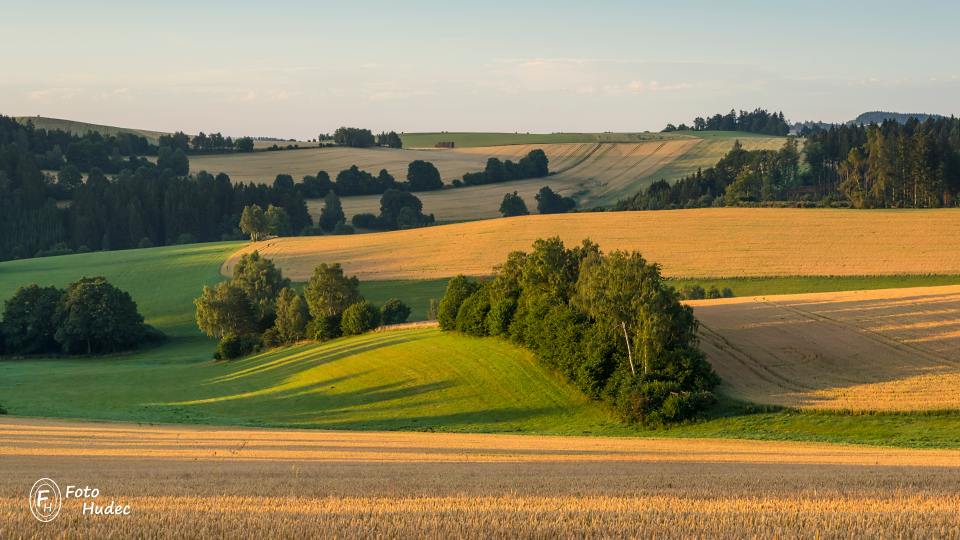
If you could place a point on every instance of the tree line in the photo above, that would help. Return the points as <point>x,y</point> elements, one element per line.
<point>203,143</point>
<point>364,138</point>
<point>258,308</point>
<point>892,165</point>
<point>607,322</point>
<point>89,316</point>
<point>756,121</point>
<point>534,165</point>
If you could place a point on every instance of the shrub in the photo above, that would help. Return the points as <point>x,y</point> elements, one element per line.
<point>472,315</point>
<point>458,289</point>
<point>359,318</point>
<point>324,328</point>
<point>364,221</point>
<point>233,346</point>
<point>145,243</point>
<point>95,317</point>
<point>394,312</point>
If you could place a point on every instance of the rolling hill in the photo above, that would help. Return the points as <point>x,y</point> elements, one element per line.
<point>699,243</point>
<point>407,379</point>
<point>596,173</point>
<point>81,128</point>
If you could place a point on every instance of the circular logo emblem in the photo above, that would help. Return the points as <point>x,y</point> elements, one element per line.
<point>45,501</point>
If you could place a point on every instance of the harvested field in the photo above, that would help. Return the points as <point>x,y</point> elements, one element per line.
<point>713,242</point>
<point>880,350</point>
<point>265,166</point>
<point>596,173</point>
<point>204,482</point>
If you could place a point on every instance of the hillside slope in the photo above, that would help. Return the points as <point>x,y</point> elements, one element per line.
<point>407,379</point>
<point>81,128</point>
<point>711,242</point>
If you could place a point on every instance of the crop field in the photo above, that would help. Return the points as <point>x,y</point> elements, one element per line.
<point>889,349</point>
<point>474,139</point>
<point>208,482</point>
<point>701,243</point>
<point>597,173</point>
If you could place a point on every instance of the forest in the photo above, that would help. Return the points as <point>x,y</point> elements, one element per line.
<point>892,165</point>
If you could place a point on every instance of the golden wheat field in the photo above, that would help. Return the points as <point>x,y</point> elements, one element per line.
<point>198,482</point>
<point>890,350</point>
<point>712,242</point>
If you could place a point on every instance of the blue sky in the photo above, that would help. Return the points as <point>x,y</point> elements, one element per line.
<point>295,69</point>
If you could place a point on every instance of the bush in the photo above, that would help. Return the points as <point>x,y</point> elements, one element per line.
<point>693,292</point>
<point>472,315</point>
<point>324,328</point>
<point>145,243</point>
<point>359,318</point>
<point>364,221</point>
<point>394,312</point>
<point>93,316</point>
<point>233,346</point>
<point>458,289</point>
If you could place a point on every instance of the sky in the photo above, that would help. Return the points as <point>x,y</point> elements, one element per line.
<point>295,69</point>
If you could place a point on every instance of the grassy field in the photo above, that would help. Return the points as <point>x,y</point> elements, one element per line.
<point>406,379</point>
<point>757,286</point>
<point>82,128</point>
<point>886,349</point>
<point>702,243</point>
<point>196,482</point>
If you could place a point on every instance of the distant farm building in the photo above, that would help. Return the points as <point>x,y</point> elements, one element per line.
<point>444,144</point>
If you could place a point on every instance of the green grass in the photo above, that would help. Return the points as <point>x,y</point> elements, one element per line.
<point>814,284</point>
<point>415,293</point>
<point>936,429</point>
<point>409,379</point>
<point>163,281</point>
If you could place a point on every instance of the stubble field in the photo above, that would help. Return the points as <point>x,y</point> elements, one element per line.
<point>205,482</point>
<point>887,350</point>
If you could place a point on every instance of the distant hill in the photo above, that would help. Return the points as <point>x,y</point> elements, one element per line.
<point>81,128</point>
<point>878,117</point>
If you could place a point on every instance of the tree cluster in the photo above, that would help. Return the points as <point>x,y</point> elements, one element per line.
<point>607,322</point>
<point>534,165</point>
<point>398,210</point>
<point>90,316</point>
<point>258,308</point>
<point>389,140</point>
<point>550,202</point>
<point>353,137</point>
<point>757,121</point>
<point>217,143</point>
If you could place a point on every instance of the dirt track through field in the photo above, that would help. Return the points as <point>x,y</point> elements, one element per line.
<point>879,350</point>
<point>713,242</point>
<point>185,481</point>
